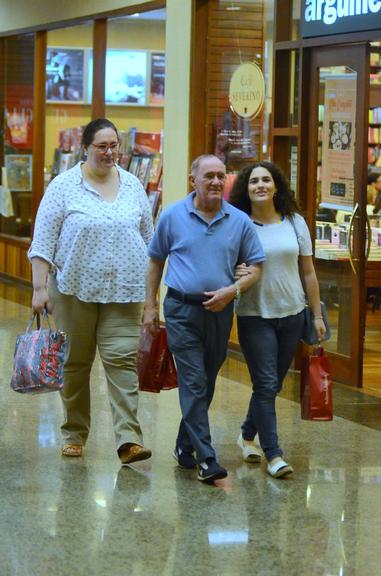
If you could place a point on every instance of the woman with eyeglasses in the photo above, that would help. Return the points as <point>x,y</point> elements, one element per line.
<point>89,258</point>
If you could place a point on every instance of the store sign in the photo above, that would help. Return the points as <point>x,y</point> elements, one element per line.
<point>326,17</point>
<point>247,90</point>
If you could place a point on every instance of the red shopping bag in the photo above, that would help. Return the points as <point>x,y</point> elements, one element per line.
<point>316,387</point>
<point>156,367</point>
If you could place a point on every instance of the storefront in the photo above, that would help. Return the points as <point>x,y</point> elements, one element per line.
<point>320,120</point>
<point>201,54</point>
<point>327,59</point>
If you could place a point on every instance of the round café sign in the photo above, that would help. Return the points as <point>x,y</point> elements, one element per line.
<point>247,90</point>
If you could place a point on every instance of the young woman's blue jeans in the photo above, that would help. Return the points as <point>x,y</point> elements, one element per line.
<point>268,345</point>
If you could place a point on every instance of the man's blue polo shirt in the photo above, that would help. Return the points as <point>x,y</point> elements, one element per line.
<point>202,255</point>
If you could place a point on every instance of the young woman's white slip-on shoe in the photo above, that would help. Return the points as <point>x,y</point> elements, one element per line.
<point>279,469</point>
<point>251,452</point>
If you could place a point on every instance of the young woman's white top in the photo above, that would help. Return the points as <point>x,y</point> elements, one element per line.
<point>279,291</point>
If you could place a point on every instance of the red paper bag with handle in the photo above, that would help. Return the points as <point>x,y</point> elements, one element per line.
<point>156,367</point>
<point>316,387</point>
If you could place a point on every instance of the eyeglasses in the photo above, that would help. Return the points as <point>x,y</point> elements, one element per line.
<point>103,148</point>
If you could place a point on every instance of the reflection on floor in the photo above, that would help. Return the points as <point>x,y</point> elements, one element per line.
<point>89,517</point>
<point>372,356</point>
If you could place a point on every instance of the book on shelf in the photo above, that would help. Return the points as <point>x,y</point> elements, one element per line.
<point>374,135</point>
<point>134,164</point>
<point>372,155</point>
<point>140,166</point>
<point>62,160</point>
<point>147,143</point>
<point>155,171</point>
<point>154,198</point>
<point>124,141</point>
<point>65,161</point>
<point>69,150</point>
<point>159,209</point>
<point>124,160</point>
<point>70,138</point>
<point>375,115</point>
<point>144,170</point>
<point>18,171</point>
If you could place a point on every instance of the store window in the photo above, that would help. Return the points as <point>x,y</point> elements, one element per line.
<point>68,96</point>
<point>135,93</point>
<point>16,114</point>
<point>237,114</point>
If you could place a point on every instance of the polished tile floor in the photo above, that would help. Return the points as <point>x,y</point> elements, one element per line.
<point>90,517</point>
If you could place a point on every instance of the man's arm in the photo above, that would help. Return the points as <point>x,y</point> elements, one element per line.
<point>219,299</point>
<point>153,278</point>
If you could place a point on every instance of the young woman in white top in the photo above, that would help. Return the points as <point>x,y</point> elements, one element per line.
<point>271,314</point>
<point>89,258</point>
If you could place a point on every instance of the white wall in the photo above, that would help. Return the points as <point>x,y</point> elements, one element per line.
<point>177,104</point>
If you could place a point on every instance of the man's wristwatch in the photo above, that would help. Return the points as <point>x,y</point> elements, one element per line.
<point>237,292</point>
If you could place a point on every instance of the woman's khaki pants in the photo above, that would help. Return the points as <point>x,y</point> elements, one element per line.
<point>115,329</point>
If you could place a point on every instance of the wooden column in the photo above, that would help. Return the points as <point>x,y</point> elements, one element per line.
<point>39,114</point>
<point>198,122</point>
<point>99,68</point>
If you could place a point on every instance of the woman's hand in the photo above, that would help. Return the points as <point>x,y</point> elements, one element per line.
<point>241,270</point>
<point>40,301</point>
<point>320,328</point>
<point>219,299</point>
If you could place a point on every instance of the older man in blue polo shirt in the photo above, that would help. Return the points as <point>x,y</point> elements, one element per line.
<point>204,238</point>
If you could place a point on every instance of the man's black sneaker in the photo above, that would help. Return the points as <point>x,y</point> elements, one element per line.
<point>210,470</point>
<point>185,459</point>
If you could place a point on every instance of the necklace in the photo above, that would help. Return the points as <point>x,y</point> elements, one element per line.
<point>277,221</point>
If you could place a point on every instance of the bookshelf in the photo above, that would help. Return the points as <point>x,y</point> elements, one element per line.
<point>374,120</point>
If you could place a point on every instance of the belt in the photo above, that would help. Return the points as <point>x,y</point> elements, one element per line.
<point>193,299</point>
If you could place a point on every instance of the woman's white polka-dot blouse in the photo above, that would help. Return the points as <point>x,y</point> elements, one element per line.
<point>97,249</point>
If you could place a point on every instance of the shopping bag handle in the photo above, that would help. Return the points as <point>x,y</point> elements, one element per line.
<point>318,349</point>
<point>36,315</point>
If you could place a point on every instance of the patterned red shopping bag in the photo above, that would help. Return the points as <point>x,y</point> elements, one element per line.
<point>39,359</point>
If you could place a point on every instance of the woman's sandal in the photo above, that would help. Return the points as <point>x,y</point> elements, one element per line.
<point>72,450</point>
<point>250,451</point>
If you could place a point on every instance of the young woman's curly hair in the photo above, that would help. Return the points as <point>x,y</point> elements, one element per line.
<point>284,200</point>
